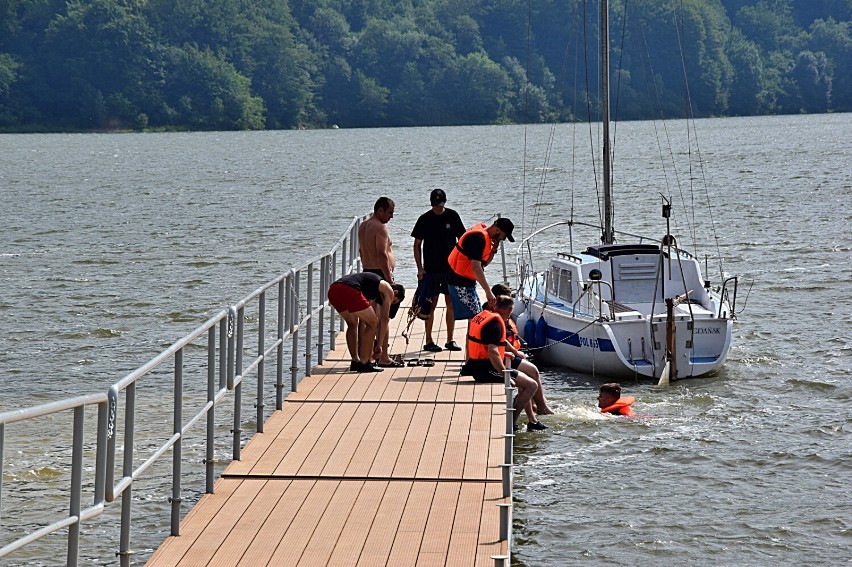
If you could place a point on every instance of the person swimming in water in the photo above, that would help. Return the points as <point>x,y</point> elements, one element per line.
<point>611,401</point>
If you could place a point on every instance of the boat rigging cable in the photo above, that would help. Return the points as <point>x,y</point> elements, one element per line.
<point>691,131</point>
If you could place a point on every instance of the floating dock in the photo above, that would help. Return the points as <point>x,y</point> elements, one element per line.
<point>401,467</point>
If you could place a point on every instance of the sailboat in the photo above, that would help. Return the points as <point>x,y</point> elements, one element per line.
<point>626,306</point>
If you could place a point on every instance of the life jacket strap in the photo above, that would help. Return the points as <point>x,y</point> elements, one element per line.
<point>481,342</point>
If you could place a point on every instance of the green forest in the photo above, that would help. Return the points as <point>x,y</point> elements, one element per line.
<point>80,65</point>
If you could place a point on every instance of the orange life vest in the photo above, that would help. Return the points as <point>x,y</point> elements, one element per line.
<point>476,348</point>
<point>459,262</point>
<point>512,335</point>
<point>621,407</point>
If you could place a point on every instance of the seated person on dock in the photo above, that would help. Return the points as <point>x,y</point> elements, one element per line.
<point>353,296</point>
<point>517,359</point>
<point>486,352</point>
<point>610,400</point>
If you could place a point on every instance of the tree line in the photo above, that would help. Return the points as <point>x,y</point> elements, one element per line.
<point>254,64</point>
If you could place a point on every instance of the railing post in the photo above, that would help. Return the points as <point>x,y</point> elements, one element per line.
<point>309,292</point>
<point>321,296</point>
<point>288,322</point>
<point>294,330</point>
<point>344,255</point>
<point>112,412</point>
<point>332,334</point>
<point>124,552</point>
<point>503,258</point>
<point>505,510</point>
<point>76,485</point>
<point>279,355</point>
<point>2,452</point>
<point>355,244</point>
<point>261,332</point>
<point>510,401</point>
<point>238,387</point>
<point>210,453</point>
<point>101,453</point>
<point>177,453</point>
<point>223,352</point>
<point>232,321</point>
<point>509,435</point>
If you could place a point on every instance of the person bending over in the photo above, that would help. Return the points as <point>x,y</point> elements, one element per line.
<point>474,250</point>
<point>355,297</point>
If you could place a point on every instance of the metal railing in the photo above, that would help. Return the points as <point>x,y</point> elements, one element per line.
<point>300,301</point>
<point>76,515</point>
<point>505,529</point>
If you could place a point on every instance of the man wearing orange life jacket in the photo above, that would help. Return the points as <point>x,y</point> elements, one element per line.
<point>474,250</point>
<point>610,400</point>
<point>517,360</point>
<point>486,351</point>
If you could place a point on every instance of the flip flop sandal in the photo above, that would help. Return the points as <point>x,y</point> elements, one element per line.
<point>428,362</point>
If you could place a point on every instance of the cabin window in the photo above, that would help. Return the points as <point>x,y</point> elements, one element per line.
<point>553,282</point>
<point>565,288</point>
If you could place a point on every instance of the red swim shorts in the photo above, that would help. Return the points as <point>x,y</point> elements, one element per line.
<point>346,298</point>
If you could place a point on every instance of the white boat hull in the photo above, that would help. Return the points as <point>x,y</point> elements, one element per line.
<point>626,349</point>
<point>575,323</point>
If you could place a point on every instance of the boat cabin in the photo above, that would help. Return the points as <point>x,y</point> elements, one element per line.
<point>631,282</point>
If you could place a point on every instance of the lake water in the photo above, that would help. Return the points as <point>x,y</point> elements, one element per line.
<point>112,246</point>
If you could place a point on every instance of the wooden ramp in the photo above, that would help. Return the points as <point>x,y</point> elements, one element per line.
<point>401,467</point>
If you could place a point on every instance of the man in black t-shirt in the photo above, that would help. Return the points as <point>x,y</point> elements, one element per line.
<point>435,234</point>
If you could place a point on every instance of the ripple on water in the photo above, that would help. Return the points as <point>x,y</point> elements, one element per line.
<point>746,467</point>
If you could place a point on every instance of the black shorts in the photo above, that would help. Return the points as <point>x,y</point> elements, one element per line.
<point>437,283</point>
<point>482,371</point>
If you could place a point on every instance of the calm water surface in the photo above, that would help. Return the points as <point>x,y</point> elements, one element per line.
<point>114,246</point>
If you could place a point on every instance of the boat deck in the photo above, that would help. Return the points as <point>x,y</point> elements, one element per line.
<point>400,467</point>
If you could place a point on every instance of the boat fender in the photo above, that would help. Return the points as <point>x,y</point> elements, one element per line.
<point>529,333</point>
<point>541,332</point>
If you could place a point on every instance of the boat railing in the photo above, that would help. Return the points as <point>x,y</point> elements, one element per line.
<point>596,307</point>
<point>524,253</point>
<point>203,368</point>
<point>729,296</point>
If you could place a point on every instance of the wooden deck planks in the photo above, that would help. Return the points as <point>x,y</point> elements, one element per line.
<point>359,524</point>
<point>400,467</point>
<point>350,440</point>
<point>382,534</point>
<point>244,532</point>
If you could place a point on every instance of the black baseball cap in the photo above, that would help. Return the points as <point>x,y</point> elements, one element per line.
<point>438,198</point>
<point>506,226</point>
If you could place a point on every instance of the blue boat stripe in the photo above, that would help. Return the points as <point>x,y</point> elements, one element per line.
<point>573,339</point>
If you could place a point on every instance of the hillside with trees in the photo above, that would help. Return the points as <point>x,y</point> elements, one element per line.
<point>254,64</point>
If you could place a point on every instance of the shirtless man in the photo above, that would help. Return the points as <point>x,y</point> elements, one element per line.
<point>375,244</point>
<point>376,251</point>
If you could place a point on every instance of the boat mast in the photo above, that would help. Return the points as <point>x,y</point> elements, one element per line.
<point>608,236</point>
